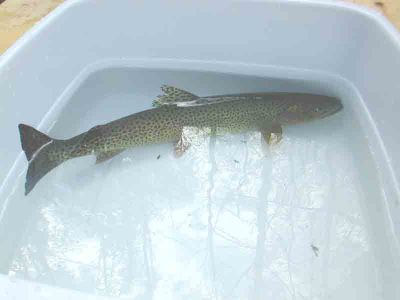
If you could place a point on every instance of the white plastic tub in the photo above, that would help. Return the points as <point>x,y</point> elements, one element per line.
<point>316,218</point>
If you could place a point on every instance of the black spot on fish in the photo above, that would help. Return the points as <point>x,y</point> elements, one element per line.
<point>236,161</point>
<point>159,155</point>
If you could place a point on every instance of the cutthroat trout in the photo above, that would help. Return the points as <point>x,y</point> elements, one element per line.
<point>172,112</point>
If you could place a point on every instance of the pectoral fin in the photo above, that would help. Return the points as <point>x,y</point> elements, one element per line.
<point>272,134</point>
<point>103,156</point>
<point>173,95</point>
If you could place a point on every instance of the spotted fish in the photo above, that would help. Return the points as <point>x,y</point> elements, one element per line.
<point>173,111</point>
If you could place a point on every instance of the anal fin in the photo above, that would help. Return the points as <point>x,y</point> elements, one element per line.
<point>103,156</point>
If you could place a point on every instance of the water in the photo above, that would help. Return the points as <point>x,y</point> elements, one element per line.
<point>231,219</point>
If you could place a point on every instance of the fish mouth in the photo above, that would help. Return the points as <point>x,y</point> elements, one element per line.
<point>336,107</point>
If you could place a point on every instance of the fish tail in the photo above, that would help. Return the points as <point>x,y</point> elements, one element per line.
<point>37,147</point>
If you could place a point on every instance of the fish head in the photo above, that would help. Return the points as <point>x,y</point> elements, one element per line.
<point>308,107</point>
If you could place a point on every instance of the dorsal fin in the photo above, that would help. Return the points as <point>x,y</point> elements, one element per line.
<point>173,95</point>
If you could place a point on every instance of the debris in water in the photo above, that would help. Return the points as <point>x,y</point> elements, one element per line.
<point>315,249</point>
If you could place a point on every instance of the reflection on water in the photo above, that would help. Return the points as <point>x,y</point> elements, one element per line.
<point>231,219</point>
<point>228,220</point>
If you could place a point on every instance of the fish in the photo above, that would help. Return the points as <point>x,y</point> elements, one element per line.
<point>172,112</point>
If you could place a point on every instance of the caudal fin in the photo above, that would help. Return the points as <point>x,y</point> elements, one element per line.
<point>32,140</point>
<point>36,146</point>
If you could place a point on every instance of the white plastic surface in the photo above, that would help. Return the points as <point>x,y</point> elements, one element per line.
<point>330,225</point>
<point>12,288</point>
